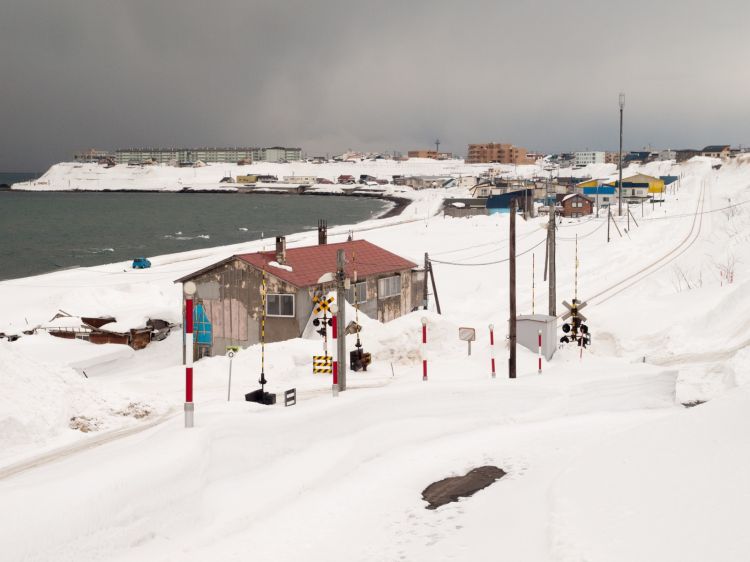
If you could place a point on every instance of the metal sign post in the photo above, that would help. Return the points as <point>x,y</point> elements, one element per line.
<point>468,335</point>
<point>231,350</point>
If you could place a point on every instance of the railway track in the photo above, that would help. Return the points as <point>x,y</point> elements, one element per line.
<point>637,276</point>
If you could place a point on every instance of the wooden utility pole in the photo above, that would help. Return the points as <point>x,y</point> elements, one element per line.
<point>434,288</point>
<point>341,320</point>
<point>424,285</point>
<point>609,220</point>
<point>512,358</point>
<point>551,259</point>
<point>619,183</point>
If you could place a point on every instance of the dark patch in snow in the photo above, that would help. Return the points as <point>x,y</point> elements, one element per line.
<point>693,403</point>
<point>450,489</point>
<point>84,424</point>
<point>136,409</point>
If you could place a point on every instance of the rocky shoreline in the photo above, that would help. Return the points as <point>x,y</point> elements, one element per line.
<point>399,203</point>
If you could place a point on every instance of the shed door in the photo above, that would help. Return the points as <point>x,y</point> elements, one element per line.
<point>202,326</point>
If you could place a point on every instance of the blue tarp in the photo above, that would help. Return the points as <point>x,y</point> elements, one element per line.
<point>202,326</point>
<point>669,179</point>
<point>601,190</point>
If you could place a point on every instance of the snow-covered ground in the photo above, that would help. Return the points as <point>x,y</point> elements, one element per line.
<point>68,175</point>
<point>603,462</point>
<point>93,177</point>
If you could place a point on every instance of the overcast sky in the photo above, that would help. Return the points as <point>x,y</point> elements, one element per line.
<point>327,75</point>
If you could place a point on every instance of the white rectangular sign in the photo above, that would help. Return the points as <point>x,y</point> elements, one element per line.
<point>467,334</point>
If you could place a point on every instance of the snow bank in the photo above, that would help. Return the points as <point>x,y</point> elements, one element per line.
<point>47,401</point>
<point>673,490</point>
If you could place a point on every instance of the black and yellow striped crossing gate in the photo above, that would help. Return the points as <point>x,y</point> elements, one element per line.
<point>322,364</point>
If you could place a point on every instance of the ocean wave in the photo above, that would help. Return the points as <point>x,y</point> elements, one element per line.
<point>177,236</point>
<point>84,251</point>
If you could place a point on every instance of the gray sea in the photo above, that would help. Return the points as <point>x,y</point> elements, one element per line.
<point>43,232</point>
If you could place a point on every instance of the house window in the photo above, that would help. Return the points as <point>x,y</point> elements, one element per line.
<point>280,305</point>
<point>389,287</point>
<point>357,293</point>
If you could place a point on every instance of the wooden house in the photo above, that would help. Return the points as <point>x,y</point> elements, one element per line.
<point>229,302</point>
<point>576,205</point>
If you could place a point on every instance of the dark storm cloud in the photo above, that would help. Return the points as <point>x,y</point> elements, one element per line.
<point>329,75</point>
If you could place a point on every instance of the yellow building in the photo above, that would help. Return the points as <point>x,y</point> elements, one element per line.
<point>640,184</point>
<point>589,183</point>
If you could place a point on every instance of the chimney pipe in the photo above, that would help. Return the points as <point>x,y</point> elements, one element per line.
<point>322,232</point>
<point>281,249</point>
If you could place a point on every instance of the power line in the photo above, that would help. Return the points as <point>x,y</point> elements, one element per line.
<point>699,213</point>
<point>490,262</point>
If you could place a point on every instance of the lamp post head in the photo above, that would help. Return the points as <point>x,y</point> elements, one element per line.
<point>492,327</point>
<point>424,321</point>
<point>189,288</point>
<point>622,100</point>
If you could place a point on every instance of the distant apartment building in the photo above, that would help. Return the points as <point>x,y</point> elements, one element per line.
<point>207,155</point>
<point>589,157</point>
<point>279,154</point>
<point>92,155</point>
<point>496,152</point>
<point>434,154</point>
<point>613,157</point>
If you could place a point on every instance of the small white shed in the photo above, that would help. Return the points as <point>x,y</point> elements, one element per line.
<point>527,333</point>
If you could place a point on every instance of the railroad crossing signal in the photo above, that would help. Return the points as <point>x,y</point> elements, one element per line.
<point>323,304</point>
<point>575,331</point>
<point>322,364</point>
<point>574,309</point>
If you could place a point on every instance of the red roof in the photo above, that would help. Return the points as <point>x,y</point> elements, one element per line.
<point>310,263</point>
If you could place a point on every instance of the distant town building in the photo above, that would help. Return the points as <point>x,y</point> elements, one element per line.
<point>613,157</point>
<point>686,154</point>
<point>667,154</point>
<point>434,154</point>
<point>496,152</point>
<point>92,155</point>
<point>279,154</point>
<point>534,156</point>
<point>576,205</point>
<point>428,182</point>
<point>234,155</point>
<point>716,151</point>
<point>589,157</point>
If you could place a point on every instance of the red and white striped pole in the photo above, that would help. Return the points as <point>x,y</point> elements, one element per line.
<point>334,335</point>
<point>540,353</point>
<point>424,349</point>
<point>492,349</point>
<point>189,290</point>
